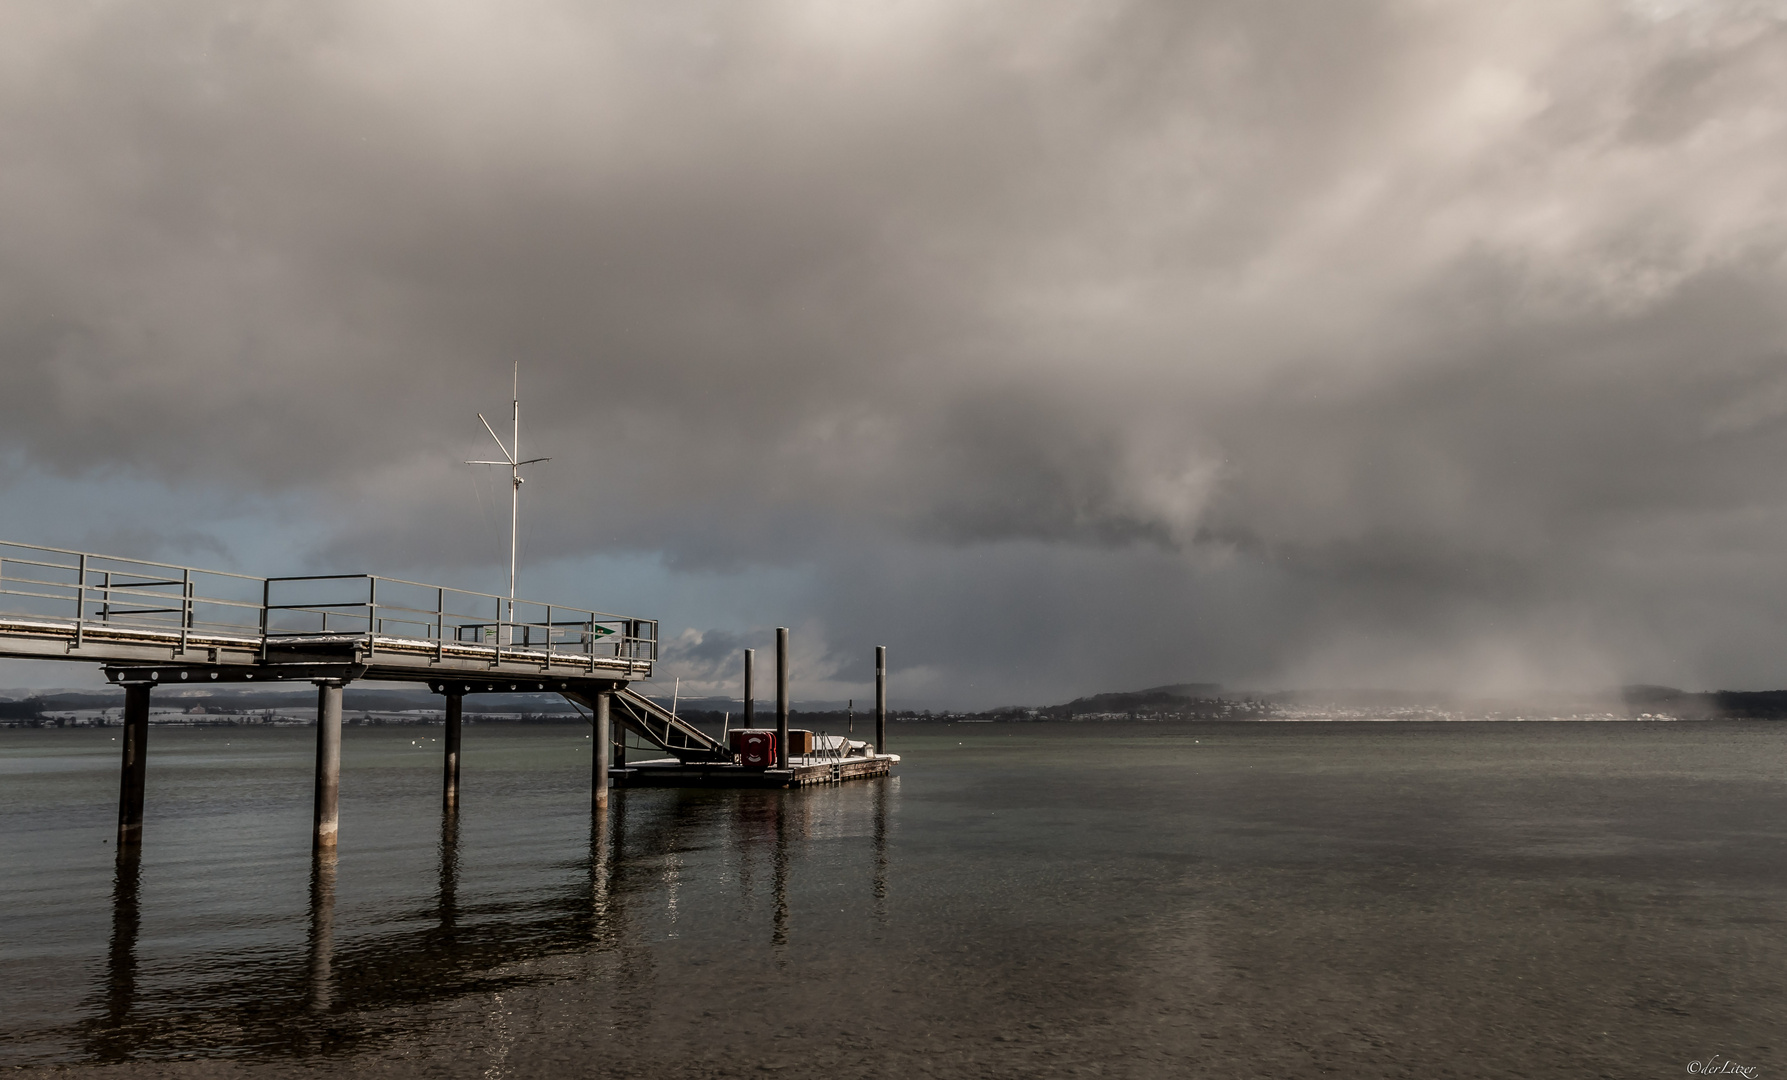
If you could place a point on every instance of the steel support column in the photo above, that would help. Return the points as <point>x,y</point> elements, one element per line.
<point>455,708</point>
<point>328,764</point>
<point>136,765</point>
<point>603,738</point>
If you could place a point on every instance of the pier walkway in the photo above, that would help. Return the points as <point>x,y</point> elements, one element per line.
<point>157,624</point>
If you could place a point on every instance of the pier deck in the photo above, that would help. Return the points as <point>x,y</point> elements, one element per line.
<point>157,625</point>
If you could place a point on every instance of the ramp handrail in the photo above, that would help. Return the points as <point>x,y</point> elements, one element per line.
<point>661,727</point>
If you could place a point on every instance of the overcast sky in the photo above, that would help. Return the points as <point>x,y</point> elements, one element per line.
<point>1061,347</point>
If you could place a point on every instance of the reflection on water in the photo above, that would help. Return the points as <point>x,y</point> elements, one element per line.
<point>881,854</point>
<point>272,1003</point>
<point>1149,901</point>
<point>319,993</point>
<point>779,890</point>
<point>111,1041</point>
<point>446,895</point>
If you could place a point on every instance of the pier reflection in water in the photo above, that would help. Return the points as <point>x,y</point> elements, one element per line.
<point>112,1040</point>
<point>319,991</point>
<point>354,986</point>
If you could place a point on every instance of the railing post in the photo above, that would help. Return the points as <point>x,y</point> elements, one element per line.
<point>266,610</point>
<point>440,623</point>
<point>185,607</point>
<point>371,614</point>
<point>80,601</point>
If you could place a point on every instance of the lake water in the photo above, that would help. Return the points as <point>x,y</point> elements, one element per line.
<point>1165,900</point>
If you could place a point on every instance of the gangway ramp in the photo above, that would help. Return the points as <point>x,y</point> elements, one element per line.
<point>659,726</point>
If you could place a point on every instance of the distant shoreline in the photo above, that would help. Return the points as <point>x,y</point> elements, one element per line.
<point>50,723</point>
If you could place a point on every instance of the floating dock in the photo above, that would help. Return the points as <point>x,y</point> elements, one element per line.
<point>801,772</point>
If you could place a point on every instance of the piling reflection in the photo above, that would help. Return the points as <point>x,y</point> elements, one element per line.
<point>447,890</point>
<point>605,823</point>
<point>111,1036</point>
<point>880,881</point>
<point>320,965</point>
<point>779,878</point>
<point>656,862</point>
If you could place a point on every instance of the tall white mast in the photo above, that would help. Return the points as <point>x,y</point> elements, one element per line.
<point>511,458</point>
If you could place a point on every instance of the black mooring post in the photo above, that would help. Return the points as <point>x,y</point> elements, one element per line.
<point>750,691</point>
<point>455,712</point>
<point>881,699</point>
<point>327,815</point>
<point>136,765</point>
<point>781,697</point>
<point>603,738</point>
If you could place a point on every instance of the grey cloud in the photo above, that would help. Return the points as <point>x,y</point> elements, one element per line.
<point>1372,331</point>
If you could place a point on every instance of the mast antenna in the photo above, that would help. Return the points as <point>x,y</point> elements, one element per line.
<point>511,458</point>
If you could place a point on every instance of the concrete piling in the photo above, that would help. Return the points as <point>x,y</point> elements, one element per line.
<point>881,699</point>
<point>603,739</point>
<point>136,765</point>
<point>781,697</point>
<point>328,763</point>
<point>455,712</point>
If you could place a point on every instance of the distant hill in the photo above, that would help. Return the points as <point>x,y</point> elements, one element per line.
<point>1180,701</point>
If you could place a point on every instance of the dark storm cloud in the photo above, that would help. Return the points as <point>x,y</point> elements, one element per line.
<point>1418,341</point>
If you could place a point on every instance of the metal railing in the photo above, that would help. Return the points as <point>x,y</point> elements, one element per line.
<point>87,590</point>
<point>381,607</point>
<point>80,591</point>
